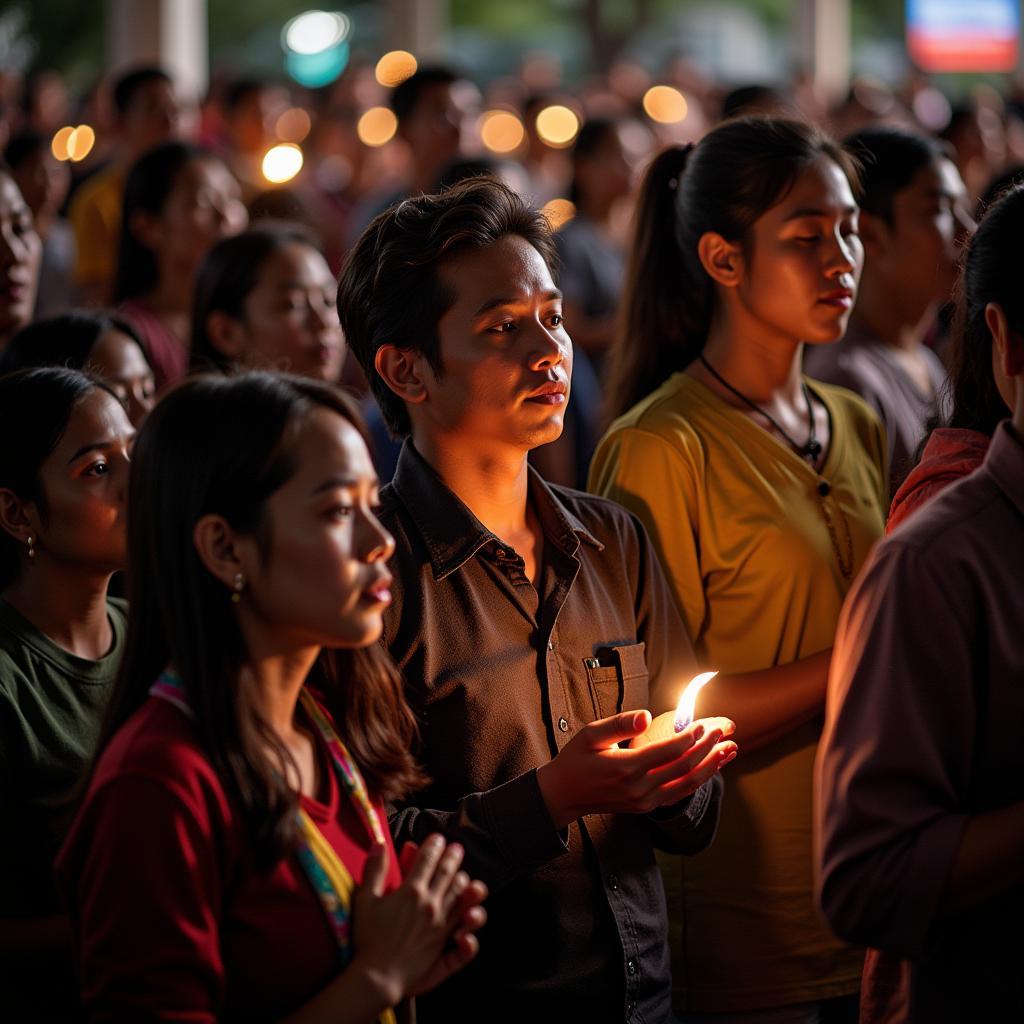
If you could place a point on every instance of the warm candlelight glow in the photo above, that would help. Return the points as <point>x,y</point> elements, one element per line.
<point>665,104</point>
<point>685,707</point>
<point>395,67</point>
<point>59,144</point>
<point>377,126</point>
<point>281,163</point>
<point>557,126</point>
<point>501,131</point>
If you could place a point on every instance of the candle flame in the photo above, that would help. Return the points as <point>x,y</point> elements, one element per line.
<point>685,707</point>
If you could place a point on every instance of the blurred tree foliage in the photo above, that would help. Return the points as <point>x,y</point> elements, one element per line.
<point>69,34</point>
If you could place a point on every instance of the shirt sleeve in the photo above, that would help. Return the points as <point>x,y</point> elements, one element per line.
<point>647,475</point>
<point>145,902</point>
<point>506,831</point>
<point>689,826</point>
<point>894,761</point>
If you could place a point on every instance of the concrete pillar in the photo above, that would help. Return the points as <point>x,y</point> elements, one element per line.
<point>171,33</point>
<point>419,26</point>
<point>823,37</point>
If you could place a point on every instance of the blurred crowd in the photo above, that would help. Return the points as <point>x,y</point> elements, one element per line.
<point>126,222</point>
<point>787,324</point>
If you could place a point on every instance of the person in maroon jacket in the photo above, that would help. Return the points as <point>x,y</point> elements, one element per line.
<point>232,859</point>
<point>920,776</point>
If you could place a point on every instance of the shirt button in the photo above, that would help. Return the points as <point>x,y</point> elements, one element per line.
<point>551,645</point>
<point>563,724</point>
<point>613,882</point>
<point>631,967</point>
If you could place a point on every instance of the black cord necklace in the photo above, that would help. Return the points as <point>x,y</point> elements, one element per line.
<point>812,449</point>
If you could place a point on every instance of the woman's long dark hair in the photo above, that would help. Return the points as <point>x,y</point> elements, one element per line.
<point>990,274</point>
<point>724,184</point>
<point>36,404</point>
<point>66,339</point>
<point>227,277</point>
<point>224,445</point>
<point>149,183</point>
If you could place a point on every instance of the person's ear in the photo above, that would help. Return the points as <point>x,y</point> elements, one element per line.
<point>723,260</point>
<point>17,516</point>
<point>227,334</point>
<point>1007,344</point>
<point>403,371</point>
<point>999,328</point>
<point>225,554</point>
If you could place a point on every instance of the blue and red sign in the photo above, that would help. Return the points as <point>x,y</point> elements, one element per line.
<point>963,35</point>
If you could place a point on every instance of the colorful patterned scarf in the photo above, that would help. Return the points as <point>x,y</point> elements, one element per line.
<point>323,868</point>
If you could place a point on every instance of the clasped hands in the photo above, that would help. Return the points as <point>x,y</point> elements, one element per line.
<point>657,767</point>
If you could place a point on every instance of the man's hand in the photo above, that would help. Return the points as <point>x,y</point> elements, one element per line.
<point>592,774</point>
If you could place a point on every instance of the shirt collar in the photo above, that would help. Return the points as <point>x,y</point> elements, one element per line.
<point>1004,462</point>
<point>452,534</point>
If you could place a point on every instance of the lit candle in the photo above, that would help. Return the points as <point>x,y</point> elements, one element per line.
<point>684,709</point>
<point>665,726</point>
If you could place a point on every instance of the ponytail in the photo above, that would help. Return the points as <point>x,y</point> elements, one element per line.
<point>661,301</point>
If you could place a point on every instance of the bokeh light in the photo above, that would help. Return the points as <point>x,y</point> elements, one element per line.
<point>665,105</point>
<point>315,31</point>
<point>80,142</point>
<point>377,126</point>
<point>281,163</point>
<point>59,143</point>
<point>395,67</point>
<point>293,125</point>
<point>501,131</point>
<point>557,126</point>
<point>558,212</point>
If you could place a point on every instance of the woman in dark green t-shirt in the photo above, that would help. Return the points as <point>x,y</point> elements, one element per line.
<point>64,454</point>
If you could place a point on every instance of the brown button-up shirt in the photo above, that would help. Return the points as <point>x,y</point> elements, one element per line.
<point>925,728</point>
<point>502,674</point>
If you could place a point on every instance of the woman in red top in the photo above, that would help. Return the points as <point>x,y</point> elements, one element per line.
<point>232,860</point>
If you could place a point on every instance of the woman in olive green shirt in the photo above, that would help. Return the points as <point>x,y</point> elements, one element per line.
<point>64,447</point>
<point>763,493</point>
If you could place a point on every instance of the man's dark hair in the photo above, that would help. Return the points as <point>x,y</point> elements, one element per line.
<point>390,292</point>
<point>128,86</point>
<point>406,95</point>
<point>889,158</point>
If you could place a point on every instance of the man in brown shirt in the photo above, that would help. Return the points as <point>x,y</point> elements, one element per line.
<point>531,623</point>
<point>920,775</point>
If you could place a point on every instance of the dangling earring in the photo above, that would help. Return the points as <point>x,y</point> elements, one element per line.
<point>31,547</point>
<point>236,597</point>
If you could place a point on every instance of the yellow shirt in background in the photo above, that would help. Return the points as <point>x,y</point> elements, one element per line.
<point>95,216</point>
<point>737,519</point>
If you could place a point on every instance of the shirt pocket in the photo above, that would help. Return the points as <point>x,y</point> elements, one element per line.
<point>617,678</point>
